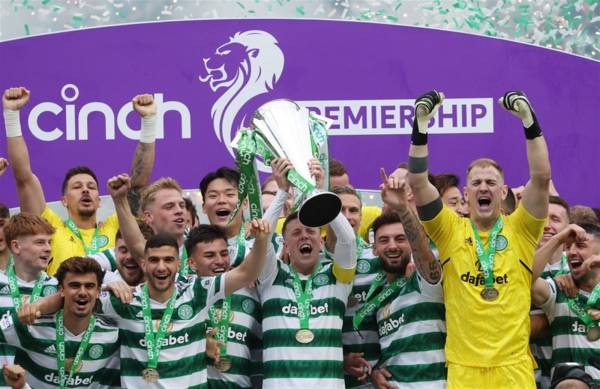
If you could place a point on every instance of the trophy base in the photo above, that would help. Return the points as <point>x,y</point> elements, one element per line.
<point>319,209</point>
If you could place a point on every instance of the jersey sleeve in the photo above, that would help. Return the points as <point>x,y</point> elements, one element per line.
<point>549,306</point>
<point>209,290</point>
<point>52,217</point>
<point>527,227</point>
<point>106,260</point>
<point>440,228</point>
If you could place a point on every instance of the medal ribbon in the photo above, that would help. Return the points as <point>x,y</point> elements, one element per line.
<point>303,297</point>
<point>564,266</point>
<point>248,186</point>
<point>486,257</point>
<point>60,348</point>
<point>240,242</point>
<point>15,294</point>
<point>318,130</point>
<point>88,250</point>
<point>154,344</point>
<point>221,323</point>
<point>371,305</point>
<point>184,269</point>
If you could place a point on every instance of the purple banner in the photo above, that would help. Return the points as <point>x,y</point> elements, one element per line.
<point>210,76</point>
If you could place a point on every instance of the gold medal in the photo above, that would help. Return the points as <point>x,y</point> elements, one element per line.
<point>593,333</point>
<point>223,365</point>
<point>69,363</point>
<point>352,302</point>
<point>218,314</point>
<point>489,294</point>
<point>304,336</point>
<point>150,375</point>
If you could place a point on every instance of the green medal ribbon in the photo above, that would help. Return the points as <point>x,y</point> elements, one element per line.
<point>486,257</point>
<point>60,348</point>
<point>222,323</point>
<point>184,269</point>
<point>15,294</point>
<point>579,309</point>
<point>303,297</point>
<point>248,185</point>
<point>372,304</point>
<point>318,130</point>
<point>564,266</point>
<point>94,249</point>
<point>154,344</point>
<point>240,241</point>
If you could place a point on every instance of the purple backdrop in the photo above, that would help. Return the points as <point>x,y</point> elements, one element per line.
<point>344,64</point>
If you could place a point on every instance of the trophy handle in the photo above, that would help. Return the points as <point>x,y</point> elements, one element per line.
<point>319,209</point>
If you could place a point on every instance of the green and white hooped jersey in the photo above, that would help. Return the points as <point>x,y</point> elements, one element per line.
<point>106,259</point>
<point>182,361</point>
<point>569,342</point>
<point>50,286</point>
<point>287,363</point>
<point>36,353</point>
<point>542,348</point>
<point>367,268</point>
<point>244,342</point>
<point>412,335</point>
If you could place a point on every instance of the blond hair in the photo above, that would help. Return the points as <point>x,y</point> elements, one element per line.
<point>483,163</point>
<point>149,193</point>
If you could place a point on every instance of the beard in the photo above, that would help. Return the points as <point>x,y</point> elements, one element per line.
<point>399,268</point>
<point>86,212</point>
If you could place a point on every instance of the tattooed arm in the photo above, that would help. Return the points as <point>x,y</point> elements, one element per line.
<point>143,160</point>
<point>393,194</point>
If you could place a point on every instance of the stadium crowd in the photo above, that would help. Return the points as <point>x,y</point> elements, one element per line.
<point>484,287</point>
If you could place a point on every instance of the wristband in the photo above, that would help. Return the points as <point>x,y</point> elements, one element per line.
<point>533,131</point>
<point>148,131</point>
<point>12,123</point>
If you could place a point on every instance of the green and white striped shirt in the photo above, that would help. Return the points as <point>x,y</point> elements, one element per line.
<point>181,362</point>
<point>367,268</point>
<point>569,342</point>
<point>412,335</point>
<point>7,353</point>
<point>287,363</point>
<point>36,353</point>
<point>244,342</point>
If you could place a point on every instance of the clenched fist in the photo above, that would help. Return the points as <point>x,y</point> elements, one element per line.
<point>15,98</point>
<point>144,105</point>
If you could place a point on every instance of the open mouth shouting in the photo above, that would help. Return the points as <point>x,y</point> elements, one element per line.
<point>81,304</point>
<point>305,248</point>
<point>222,215</point>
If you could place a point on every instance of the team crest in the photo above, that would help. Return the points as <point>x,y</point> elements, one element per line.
<point>248,306</point>
<point>185,312</point>
<point>363,266</point>
<point>95,351</point>
<point>101,240</point>
<point>501,243</point>
<point>321,279</point>
<point>48,290</point>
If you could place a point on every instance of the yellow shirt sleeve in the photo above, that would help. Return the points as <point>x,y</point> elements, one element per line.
<point>345,276</point>
<point>52,217</point>
<point>440,228</point>
<point>527,227</point>
<point>369,214</point>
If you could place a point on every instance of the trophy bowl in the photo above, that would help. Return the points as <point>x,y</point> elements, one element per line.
<point>319,209</point>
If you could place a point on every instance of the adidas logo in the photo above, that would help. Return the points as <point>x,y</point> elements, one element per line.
<point>50,349</point>
<point>140,314</point>
<point>5,290</point>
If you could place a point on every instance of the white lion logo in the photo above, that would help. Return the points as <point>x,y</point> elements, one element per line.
<point>248,65</point>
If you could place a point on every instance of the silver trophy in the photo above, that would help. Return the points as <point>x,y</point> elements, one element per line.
<point>284,126</point>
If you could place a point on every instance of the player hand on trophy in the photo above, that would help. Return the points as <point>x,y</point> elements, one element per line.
<point>316,170</point>
<point>517,103</point>
<point>15,98</point>
<point>118,186</point>
<point>394,189</point>
<point>260,229</point>
<point>281,168</point>
<point>144,105</point>
<point>426,106</point>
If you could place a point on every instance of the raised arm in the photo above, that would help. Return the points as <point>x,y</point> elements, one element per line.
<point>393,194</point>
<point>29,189</point>
<point>249,270</point>
<point>280,167</point>
<point>143,159</point>
<point>427,198</point>
<point>3,165</point>
<point>545,252</point>
<point>535,194</point>
<point>118,187</point>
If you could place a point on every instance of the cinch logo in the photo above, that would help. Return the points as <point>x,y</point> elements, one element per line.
<point>390,325</point>
<point>73,381</point>
<point>240,336</point>
<point>477,280</point>
<point>314,309</point>
<point>170,340</point>
<point>75,125</point>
